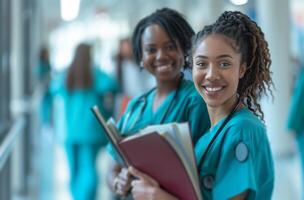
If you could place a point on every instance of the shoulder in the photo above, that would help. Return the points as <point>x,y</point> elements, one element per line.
<point>245,126</point>
<point>99,74</point>
<point>187,89</point>
<point>103,81</point>
<point>190,94</point>
<point>244,119</point>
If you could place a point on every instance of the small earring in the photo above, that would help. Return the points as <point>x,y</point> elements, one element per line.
<point>141,64</point>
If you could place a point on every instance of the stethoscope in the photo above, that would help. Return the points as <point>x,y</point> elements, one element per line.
<point>143,100</point>
<point>208,180</point>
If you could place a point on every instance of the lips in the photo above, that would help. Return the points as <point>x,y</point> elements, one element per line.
<point>213,90</point>
<point>164,68</point>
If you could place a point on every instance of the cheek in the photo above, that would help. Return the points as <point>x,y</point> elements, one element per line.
<point>146,59</point>
<point>235,82</point>
<point>197,76</point>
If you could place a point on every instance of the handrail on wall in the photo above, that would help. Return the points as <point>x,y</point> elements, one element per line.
<point>8,142</point>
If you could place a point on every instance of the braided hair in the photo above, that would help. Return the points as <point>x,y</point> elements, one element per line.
<point>248,40</point>
<point>173,23</point>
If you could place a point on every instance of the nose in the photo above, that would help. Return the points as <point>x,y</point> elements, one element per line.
<point>160,54</point>
<point>212,72</point>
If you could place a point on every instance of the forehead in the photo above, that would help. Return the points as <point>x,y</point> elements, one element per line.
<point>155,34</point>
<point>215,44</point>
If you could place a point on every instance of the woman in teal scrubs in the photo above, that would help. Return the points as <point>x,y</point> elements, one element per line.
<point>81,87</point>
<point>161,42</point>
<point>231,71</point>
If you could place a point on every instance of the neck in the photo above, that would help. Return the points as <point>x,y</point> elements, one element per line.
<point>219,112</point>
<point>163,88</point>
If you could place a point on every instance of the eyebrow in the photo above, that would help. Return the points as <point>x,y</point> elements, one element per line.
<point>220,56</point>
<point>166,43</point>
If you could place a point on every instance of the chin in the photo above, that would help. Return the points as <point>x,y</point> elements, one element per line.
<point>168,76</point>
<point>212,102</point>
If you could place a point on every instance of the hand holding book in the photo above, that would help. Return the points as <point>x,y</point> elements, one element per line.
<point>145,187</point>
<point>122,182</point>
<point>163,152</point>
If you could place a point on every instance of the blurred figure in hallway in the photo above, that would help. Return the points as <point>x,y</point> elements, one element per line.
<point>296,118</point>
<point>43,72</point>
<point>80,88</point>
<point>133,79</point>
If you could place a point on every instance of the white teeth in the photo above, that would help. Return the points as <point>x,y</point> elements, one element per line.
<point>213,89</point>
<point>164,67</point>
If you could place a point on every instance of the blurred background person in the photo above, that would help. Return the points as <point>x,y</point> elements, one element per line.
<point>81,87</point>
<point>295,121</point>
<point>133,79</point>
<point>43,73</point>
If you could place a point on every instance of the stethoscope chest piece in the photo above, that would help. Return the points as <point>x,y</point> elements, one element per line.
<point>208,181</point>
<point>241,152</point>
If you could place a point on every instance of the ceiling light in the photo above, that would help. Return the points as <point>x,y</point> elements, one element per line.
<point>69,9</point>
<point>239,2</point>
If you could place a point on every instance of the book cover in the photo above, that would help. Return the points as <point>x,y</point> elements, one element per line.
<point>164,152</point>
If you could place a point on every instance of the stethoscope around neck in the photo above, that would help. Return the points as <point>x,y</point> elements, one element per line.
<point>143,101</point>
<point>200,164</point>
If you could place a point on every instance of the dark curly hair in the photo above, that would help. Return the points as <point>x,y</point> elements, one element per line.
<point>248,40</point>
<point>173,23</point>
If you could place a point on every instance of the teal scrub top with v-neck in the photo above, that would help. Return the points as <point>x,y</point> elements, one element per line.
<point>186,106</point>
<point>80,125</point>
<point>240,159</point>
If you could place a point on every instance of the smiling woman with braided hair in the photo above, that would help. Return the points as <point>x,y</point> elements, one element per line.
<point>231,71</point>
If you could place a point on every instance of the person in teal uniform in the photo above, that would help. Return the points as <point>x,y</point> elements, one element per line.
<point>82,87</point>
<point>161,42</point>
<point>231,71</point>
<point>295,120</point>
<point>43,73</point>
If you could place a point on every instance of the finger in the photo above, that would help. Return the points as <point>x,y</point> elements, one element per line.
<point>124,174</point>
<point>135,172</point>
<point>136,183</point>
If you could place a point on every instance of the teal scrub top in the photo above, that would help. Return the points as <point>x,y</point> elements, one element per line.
<point>186,106</point>
<point>240,159</point>
<point>81,125</point>
<point>296,112</point>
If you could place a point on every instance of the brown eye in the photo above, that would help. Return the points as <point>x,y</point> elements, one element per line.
<point>201,65</point>
<point>170,47</point>
<point>150,50</point>
<point>225,64</point>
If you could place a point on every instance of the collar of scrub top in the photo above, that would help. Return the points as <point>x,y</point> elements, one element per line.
<point>143,100</point>
<point>200,165</point>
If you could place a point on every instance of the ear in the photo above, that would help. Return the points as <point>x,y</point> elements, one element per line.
<point>242,70</point>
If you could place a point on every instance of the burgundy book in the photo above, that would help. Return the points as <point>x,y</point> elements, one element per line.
<point>164,152</point>
<point>154,155</point>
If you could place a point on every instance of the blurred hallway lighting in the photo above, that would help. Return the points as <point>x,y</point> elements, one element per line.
<point>69,9</point>
<point>239,2</point>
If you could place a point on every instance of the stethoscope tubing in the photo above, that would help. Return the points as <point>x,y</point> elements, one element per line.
<point>143,99</point>
<point>217,134</point>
